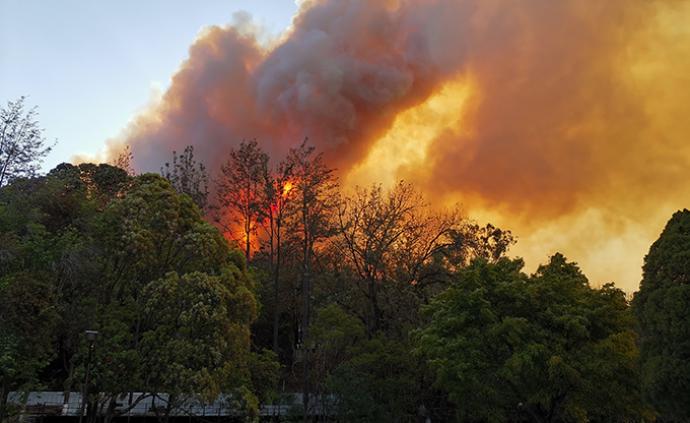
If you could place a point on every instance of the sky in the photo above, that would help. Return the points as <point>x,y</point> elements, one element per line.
<point>91,66</point>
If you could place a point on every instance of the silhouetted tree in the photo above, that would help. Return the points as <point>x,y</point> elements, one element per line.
<point>186,175</point>
<point>388,239</point>
<point>315,198</point>
<point>241,196</point>
<point>278,191</point>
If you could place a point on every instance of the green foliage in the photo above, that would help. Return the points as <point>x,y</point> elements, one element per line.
<point>198,333</point>
<point>661,307</point>
<point>133,259</point>
<point>378,383</point>
<point>22,144</point>
<point>91,247</point>
<point>264,369</point>
<point>544,348</point>
<point>27,322</point>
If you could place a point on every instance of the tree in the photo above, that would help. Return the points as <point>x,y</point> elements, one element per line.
<point>388,239</point>
<point>143,237</point>
<point>278,192</point>
<point>109,250</point>
<point>472,241</point>
<point>378,383</point>
<point>543,348</point>
<point>27,321</point>
<point>197,344</point>
<point>241,195</point>
<point>22,144</point>
<point>315,189</point>
<point>125,158</point>
<point>661,307</point>
<point>185,174</point>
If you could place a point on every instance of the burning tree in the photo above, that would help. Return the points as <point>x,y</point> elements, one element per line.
<point>242,195</point>
<point>278,189</point>
<point>315,192</point>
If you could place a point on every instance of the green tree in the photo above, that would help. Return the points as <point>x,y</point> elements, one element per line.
<point>22,144</point>
<point>108,250</point>
<point>378,383</point>
<point>544,348</point>
<point>197,344</point>
<point>662,307</point>
<point>27,320</point>
<point>143,237</point>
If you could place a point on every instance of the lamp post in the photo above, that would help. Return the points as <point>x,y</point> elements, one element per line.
<point>91,336</point>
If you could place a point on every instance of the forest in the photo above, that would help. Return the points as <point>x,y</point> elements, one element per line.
<point>267,278</point>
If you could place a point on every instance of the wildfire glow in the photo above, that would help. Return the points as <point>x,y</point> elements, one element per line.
<point>564,121</point>
<point>405,145</point>
<point>287,188</point>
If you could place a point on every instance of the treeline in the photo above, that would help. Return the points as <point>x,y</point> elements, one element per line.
<point>267,279</point>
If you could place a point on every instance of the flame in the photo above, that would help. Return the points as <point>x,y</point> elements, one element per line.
<point>287,188</point>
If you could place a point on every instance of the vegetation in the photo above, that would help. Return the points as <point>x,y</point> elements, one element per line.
<point>374,304</point>
<point>22,144</point>
<point>88,247</point>
<point>662,307</point>
<point>543,348</point>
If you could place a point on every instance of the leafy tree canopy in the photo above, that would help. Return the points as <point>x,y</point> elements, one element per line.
<point>90,247</point>
<point>662,307</point>
<point>546,347</point>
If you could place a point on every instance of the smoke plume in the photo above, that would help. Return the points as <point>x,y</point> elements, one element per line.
<point>565,121</point>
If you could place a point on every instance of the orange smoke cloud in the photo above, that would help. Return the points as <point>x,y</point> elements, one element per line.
<point>563,120</point>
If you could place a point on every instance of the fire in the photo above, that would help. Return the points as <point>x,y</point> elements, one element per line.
<point>566,124</point>
<point>287,188</point>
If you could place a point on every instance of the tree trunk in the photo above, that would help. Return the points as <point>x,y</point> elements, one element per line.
<point>306,293</point>
<point>305,341</point>
<point>247,231</point>
<point>276,289</point>
<point>374,310</point>
<point>110,410</point>
<point>4,392</point>
<point>67,386</point>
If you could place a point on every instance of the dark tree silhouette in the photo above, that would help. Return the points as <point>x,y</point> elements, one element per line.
<point>241,195</point>
<point>186,175</point>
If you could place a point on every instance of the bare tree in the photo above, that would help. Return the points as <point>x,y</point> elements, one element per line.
<point>388,239</point>
<point>22,144</point>
<point>187,176</point>
<point>124,160</point>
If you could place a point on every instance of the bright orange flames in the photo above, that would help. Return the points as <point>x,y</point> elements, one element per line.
<point>287,188</point>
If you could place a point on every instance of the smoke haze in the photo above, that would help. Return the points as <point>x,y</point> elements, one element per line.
<point>565,121</point>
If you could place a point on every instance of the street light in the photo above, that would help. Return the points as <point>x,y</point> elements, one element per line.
<point>91,336</point>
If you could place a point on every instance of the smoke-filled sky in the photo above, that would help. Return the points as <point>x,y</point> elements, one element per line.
<point>564,121</point>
